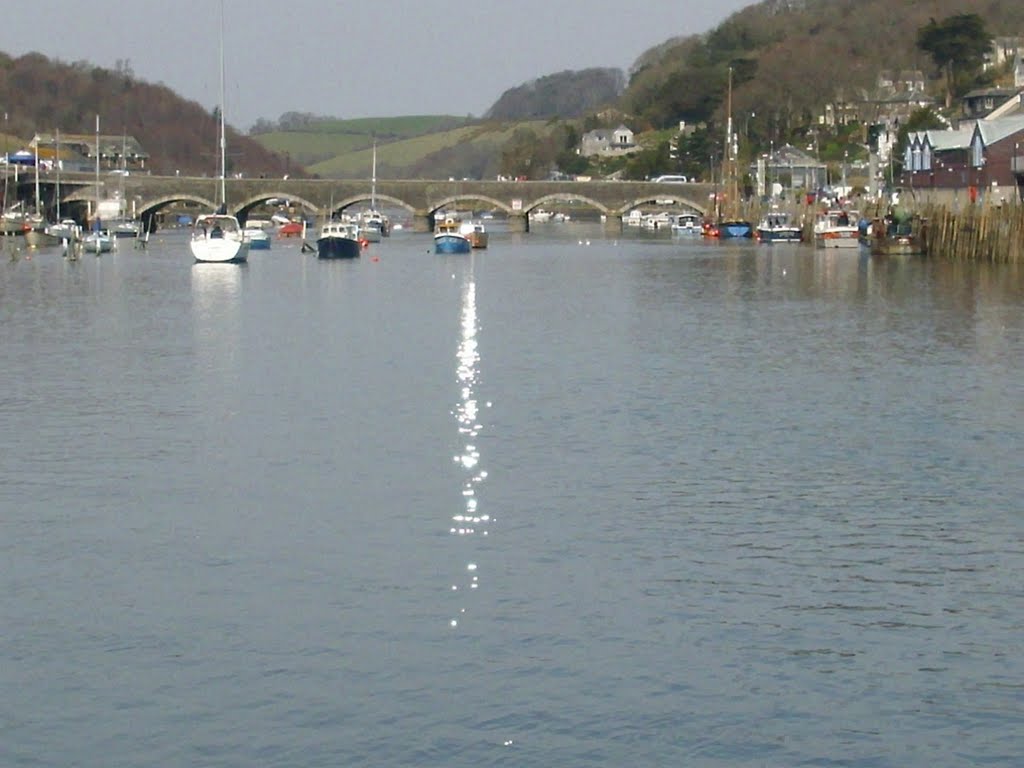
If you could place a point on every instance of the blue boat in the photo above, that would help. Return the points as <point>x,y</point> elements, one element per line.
<point>449,239</point>
<point>735,228</point>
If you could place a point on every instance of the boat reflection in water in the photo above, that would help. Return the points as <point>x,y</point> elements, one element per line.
<point>470,521</point>
<point>217,323</point>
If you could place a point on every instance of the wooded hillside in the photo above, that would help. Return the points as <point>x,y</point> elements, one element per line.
<point>43,95</point>
<point>566,94</point>
<point>790,57</point>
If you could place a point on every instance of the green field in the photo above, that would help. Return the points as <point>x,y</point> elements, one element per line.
<point>324,140</point>
<point>407,147</point>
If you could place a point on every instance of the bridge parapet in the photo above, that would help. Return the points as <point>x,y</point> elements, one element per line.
<point>419,197</point>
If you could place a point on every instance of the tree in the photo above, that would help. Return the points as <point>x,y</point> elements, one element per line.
<point>956,44</point>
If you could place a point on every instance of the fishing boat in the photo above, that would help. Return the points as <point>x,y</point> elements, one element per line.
<point>218,237</point>
<point>475,232</point>
<point>836,229</point>
<point>448,238</point>
<point>898,233</point>
<point>778,227</point>
<point>339,240</point>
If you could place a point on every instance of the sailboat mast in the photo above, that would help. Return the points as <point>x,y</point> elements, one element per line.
<point>373,179</point>
<point>7,159</point>
<point>57,162</point>
<point>223,141</point>
<point>39,203</point>
<point>96,213</point>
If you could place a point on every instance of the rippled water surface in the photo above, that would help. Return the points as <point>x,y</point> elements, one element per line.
<point>566,501</point>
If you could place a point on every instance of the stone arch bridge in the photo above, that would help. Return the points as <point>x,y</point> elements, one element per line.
<point>422,199</point>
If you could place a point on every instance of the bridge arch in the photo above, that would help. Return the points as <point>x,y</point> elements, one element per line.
<point>149,207</point>
<point>251,202</point>
<point>463,197</point>
<point>652,198</point>
<point>368,196</point>
<point>566,197</point>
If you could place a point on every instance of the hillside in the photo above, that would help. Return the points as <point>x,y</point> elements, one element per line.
<point>569,94</point>
<point>469,151</point>
<point>792,56</point>
<point>43,95</point>
<point>322,139</point>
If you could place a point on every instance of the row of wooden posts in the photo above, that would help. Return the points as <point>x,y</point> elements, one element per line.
<point>975,232</point>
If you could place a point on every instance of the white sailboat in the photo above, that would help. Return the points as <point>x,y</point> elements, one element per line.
<point>98,240</point>
<point>218,237</point>
<point>373,225</point>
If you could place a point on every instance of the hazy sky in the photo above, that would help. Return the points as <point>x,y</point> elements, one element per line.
<point>352,59</point>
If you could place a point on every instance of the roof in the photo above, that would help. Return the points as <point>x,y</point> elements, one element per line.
<point>993,131</point>
<point>110,146</point>
<point>1003,93</point>
<point>944,140</point>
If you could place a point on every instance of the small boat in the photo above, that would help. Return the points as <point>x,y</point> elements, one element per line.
<point>98,241</point>
<point>778,227</point>
<point>259,240</point>
<point>836,229</point>
<point>339,240</point>
<point>291,229</point>
<point>372,226</point>
<point>687,224</point>
<point>475,233</point>
<point>449,239</point>
<point>898,233</point>
<point>126,228</point>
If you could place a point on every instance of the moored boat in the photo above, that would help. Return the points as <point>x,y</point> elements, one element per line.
<point>687,224</point>
<point>778,227</point>
<point>98,241</point>
<point>259,239</point>
<point>475,232</point>
<point>898,233</point>
<point>729,228</point>
<point>836,229</point>
<point>338,240</point>
<point>218,237</point>
<point>449,239</point>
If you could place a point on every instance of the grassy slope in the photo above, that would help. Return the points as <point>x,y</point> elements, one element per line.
<point>326,140</point>
<point>394,157</point>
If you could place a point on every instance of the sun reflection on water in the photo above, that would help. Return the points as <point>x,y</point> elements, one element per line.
<point>469,521</point>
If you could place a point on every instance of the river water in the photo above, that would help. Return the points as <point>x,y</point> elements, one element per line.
<point>568,501</point>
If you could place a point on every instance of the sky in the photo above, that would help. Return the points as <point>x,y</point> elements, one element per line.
<point>351,59</point>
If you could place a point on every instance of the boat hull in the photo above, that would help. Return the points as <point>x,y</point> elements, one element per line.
<point>449,243</point>
<point>219,251</point>
<point>785,235</point>
<point>837,239</point>
<point>337,248</point>
<point>897,246</point>
<point>259,242</point>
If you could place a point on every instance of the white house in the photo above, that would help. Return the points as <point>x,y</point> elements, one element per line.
<point>603,141</point>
